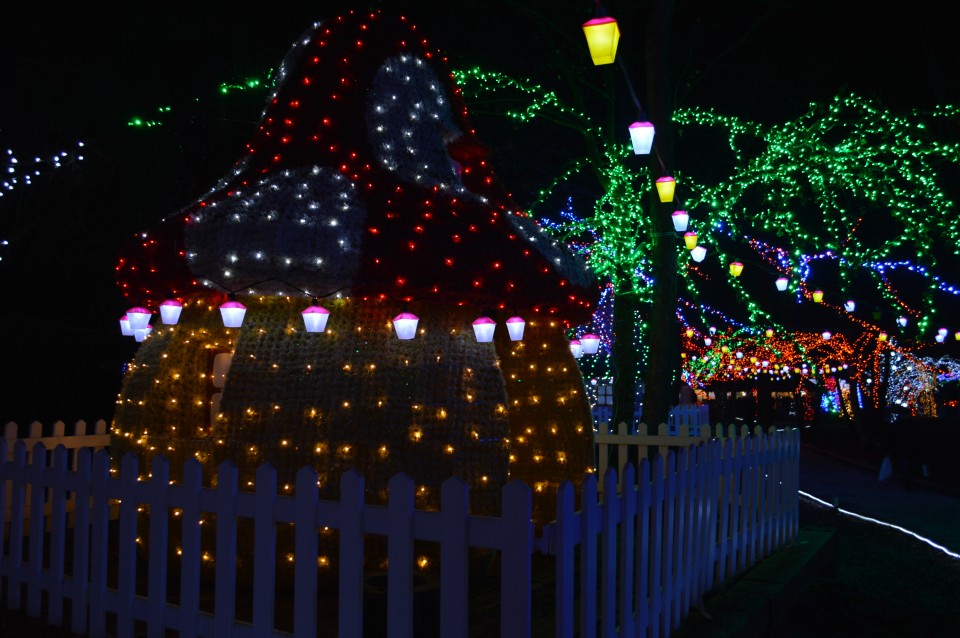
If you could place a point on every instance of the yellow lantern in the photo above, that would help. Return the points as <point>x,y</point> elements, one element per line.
<point>665,187</point>
<point>882,336</point>
<point>603,35</point>
<point>690,240</point>
<point>817,296</point>
<point>736,268</point>
<point>769,332</point>
<point>689,333</point>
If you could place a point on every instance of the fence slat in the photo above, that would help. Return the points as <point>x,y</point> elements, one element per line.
<point>564,560</point>
<point>99,526</point>
<point>628,522</point>
<point>57,479</point>
<point>159,490</point>
<point>127,545</point>
<point>225,583</point>
<point>18,506</point>
<point>265,549</point>
<point>38,493</point>
<point>190,548</point>
<point>589,522</point>
<point>454,553</point>
<point>305,552</point>
<point>656,546</point>
<point>644,521</point>
<point>81,542</point>
<point>608,554</point>
<point>351,555</point>
<point>516,568</point>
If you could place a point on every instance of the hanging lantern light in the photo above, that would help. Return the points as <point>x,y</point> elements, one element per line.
<point>315,317</point>
<point>590,343</point>
<point>170,311</point>
<point>739,355</point>
<point>901,320</point>
<point>698,253</point>
<point>689,333</point>
<point>882,336</point>
<point>956,335</point>
<point>603,35</point>
<point>782,283</point>
<point>406,325</point>
<point>712,330</point>
<point>680,220</point>
<point>515,328</point>
<point>939,338</point>
<point>665,187</point>
<point>232,313</point>
<point>576,348</point>
<point>142,333</point>
<point>641,134</point>
<point>769,332</point>
<point>736,268</point>
<point>690,240</point>
<point>826,335</point>
<point>707,341</point>
<point>724,349</point>
<point>483,328</point>
<point>138,317</point>
<point>942,332</point>
<point>850,305</point>
<point>817,296</point>
<point>125,328</point>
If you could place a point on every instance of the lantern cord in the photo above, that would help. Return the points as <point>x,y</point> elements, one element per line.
<point>232,291</point>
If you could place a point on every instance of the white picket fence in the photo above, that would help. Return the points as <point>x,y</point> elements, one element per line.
<point>647,554</point>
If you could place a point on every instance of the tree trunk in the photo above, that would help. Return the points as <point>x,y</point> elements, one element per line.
<point>663,332</point>
<point>624,356</point>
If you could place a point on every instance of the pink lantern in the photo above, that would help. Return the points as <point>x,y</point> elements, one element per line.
<point>590,343</point>
<point>170,311</point>
<point>576,348</point>
<point>406,325</point>
<point>641,134</point>
<point>515,328</point>
<point>232,313</point>
<point>138,317</point>
<point>315,318</point>
<point>483,328</point>
<point>125,328</point>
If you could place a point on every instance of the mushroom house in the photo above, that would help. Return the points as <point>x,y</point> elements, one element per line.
<point>359,291</point>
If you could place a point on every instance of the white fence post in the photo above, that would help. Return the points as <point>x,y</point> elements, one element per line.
<point>57,480</point>
<point>454,553</point>
<point>225,591</point>
<point>80,573</point>
<point>589,515</point>
<point>305,555</point>
<point>190,548</point>
<point>158,491</point>
<point>127,544</point>
<point>351,555</point>
<point>264,549</point>
<point>566,538</point>
<point>516,534</point>
<point>35,475</point>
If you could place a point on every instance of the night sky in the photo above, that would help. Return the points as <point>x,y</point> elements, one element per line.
<point>81,71</point>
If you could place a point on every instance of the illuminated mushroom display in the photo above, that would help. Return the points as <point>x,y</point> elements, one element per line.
<point>364,189</point>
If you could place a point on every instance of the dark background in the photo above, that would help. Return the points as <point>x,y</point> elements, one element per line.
<point>80,71</point>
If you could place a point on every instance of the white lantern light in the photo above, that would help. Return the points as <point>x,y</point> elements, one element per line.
<point>170,311</point>
<point>939,338</point>
<point>576,348</point>
<point>641,134</point>
<point>483,328</point>
<point>782,283</point>
<point>138,317</point>
<point>712,330</point>
<point>315,317</point>
<point>850,305</point>
<point>141,333</point>
<point>707,341</point>
<point>232,313</point>
<point>125,328</point>
<point>406,325</point>
<point>698,253</point>
<point>680,220</point>
<point>590,343</point>
<point>739,355</point>
<point>942,331</point>
<point>515,328</point>
<point>826,335</point>
<point>902,321</point>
